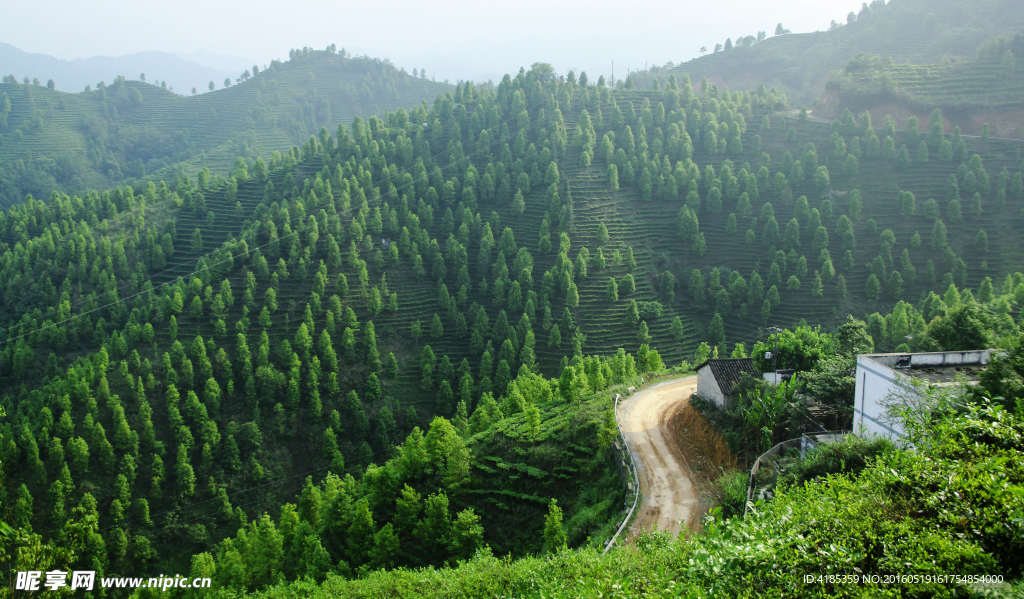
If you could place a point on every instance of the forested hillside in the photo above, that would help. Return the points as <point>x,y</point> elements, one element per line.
<point>126,130</point>
<point>915,31</point>
<point>845,534</point>
<point>398,342</point>
<point>336,373</point>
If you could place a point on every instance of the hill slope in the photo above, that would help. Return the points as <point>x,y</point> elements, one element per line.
<point>53,140</point>
<point>971,93</point>
<point>307,315</point>
<point>918,31</point>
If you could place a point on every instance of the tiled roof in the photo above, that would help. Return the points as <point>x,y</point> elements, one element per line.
<point>727,372</point>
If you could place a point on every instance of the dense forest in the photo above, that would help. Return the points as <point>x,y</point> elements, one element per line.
<point>394,348</point>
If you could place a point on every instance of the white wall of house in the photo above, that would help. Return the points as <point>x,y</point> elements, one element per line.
<point>878,376</point>
<point>707,387</point>
<point>874,382</point>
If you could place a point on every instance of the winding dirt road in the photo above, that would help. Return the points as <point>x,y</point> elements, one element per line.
<point>671,500</point>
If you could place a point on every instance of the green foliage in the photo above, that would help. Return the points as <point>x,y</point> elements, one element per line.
<point>851,513</point>
<point>851,454</point>
<point>129,130</point>
<point>731,489</point>
<point>554,535</point>
<point>293,232</point>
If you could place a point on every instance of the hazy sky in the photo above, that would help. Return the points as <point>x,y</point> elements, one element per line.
<point>454,39</point>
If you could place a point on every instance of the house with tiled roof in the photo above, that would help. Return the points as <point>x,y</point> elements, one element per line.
<point>718,380</point>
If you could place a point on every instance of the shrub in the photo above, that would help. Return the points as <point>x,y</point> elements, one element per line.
<point>731,492</point>
<point>851,454</point>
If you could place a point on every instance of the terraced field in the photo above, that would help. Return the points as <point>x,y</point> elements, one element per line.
<point>800,63</point>
<point>970,93</point>
<point>958,85</point>
<point>649,228</point>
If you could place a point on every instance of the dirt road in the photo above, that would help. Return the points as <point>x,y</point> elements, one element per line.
<point>671,500</point>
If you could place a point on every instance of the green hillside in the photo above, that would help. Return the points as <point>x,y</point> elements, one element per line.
<point>915,31</point>
<point>982,96</point>
<point>132,130</point>
<point>397,342</point>
<point>849,536</point>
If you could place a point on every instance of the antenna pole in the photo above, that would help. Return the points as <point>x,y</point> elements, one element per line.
<point>775,354</point>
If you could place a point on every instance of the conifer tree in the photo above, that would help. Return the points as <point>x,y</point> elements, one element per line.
<point>370,343</point>
<point>427,360</point>
<point>643,335</point>
<point>677,329</point>
<point>555,337</point>
<point>716,330</point>
<point>186,478</point>
<point>554,534</point>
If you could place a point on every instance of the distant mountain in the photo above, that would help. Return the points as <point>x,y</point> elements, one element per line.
<point>73,75</point>
<point>52,140</point>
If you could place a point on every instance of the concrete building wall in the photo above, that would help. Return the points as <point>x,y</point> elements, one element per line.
<point>879,375</point>
<point>707,387</point>
<point>874,383</point>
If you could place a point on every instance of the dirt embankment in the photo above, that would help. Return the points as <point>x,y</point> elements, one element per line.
<point>706,451</point>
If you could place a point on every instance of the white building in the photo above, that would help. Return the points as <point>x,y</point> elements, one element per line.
<point>881,375</point>
<point>717,380</point>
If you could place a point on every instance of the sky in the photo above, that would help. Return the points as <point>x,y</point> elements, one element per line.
<point>451,39</point>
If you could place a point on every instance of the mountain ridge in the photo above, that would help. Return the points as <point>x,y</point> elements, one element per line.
<point>73,75</point>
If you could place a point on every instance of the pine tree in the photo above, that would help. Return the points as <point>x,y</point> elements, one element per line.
<point>873,288</point>
<point>716,330</point>
<point>370,342</point>
<point>981,242</point>
<point>627,286</point>
<point>554,534</point>
<point>643,335</point>
<point>185,476</point>
<point>436,327</point>
<point>953,212</point>
<point>1009,64</point>
<point>632,313</point>
<point>939,236</point>
<point>677,329</point>
<point>518,204</point>
<point>572,298</point>
<point>427,360</point>
<point>555,337</point>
